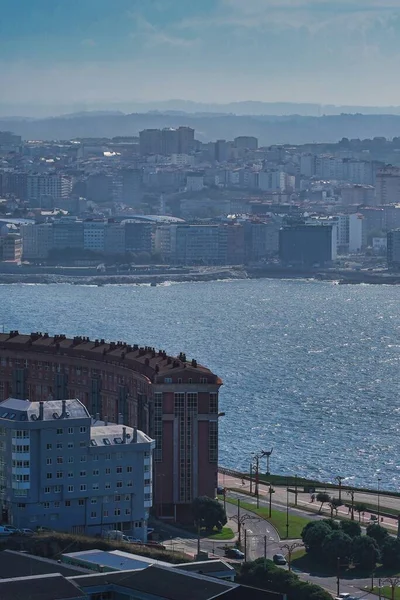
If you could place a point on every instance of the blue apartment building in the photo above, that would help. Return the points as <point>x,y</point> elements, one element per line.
<point>62,469</point>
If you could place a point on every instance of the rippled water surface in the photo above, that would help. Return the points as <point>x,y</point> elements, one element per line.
<point>310,369</point>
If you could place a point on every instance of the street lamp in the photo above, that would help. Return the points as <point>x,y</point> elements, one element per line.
<point>290,548</point>
<point>379,499</point>
<point>257,472</point>
<point>339,479</point>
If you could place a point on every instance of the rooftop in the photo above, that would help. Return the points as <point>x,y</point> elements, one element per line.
<point>40,587</point>
<point>153,364</point>
<point>115,560</point>
<point>21,564</point>
<point>23,410</point>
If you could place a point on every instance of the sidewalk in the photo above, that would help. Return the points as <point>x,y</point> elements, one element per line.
<point>304,500</point>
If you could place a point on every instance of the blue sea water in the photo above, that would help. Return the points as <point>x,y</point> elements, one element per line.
<point>309,368</point>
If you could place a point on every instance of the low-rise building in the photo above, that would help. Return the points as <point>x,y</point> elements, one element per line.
<point>60,468</point>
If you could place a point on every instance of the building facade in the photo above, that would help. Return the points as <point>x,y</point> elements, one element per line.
<point>172,400</point>
<point>61,469</point>
<point>306,245</point>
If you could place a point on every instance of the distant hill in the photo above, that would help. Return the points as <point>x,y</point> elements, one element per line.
<point>270,129</point>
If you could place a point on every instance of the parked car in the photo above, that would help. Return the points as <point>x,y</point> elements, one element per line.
<point>279,559</point>
<point>220,490</point>
<point>128,539</point>
<point>26,531</point>
<point>155,544</point>
<point>13,530</point>
<point>234,553</point>
<point>4,531</point>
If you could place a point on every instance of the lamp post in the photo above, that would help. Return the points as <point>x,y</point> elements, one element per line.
<point>339,479</point>
<point>287,509</point>
<point>379,499</point>
<point>290,548</point>
<point>257,457</point>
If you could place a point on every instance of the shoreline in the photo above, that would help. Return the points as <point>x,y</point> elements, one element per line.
<point>339,277</point>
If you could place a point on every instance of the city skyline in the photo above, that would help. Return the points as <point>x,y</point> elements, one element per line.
<point>214,51</point>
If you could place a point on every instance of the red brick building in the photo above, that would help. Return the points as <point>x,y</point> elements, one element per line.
<point>173,400</point>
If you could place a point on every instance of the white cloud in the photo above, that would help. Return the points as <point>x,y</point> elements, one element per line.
<point>150,36</point>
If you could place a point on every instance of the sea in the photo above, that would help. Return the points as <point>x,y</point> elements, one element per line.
<point>310,369</point>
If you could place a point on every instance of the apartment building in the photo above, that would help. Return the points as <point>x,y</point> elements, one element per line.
<point>60,468</point>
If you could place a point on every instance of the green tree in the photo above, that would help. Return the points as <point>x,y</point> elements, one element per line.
<point>360,508</point>
<point>350,528</point>
<point>336,545</point>
<point>378,533</point>
<point>323,497</point>
<point>208,513</point>
<point>313,536</point>
<point>334,505</point>
<point>365,552</point>
<point>334,525</point>
<point>390,552</point>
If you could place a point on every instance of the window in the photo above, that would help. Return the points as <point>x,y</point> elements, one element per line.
<point>70,445</point>
<point>83,487</point>
<point>82,429</point>
<point>119,469</point>
<point>47,490</point>
<point>48,461</point>
<point>167,379</point>
<point>81,501</point>
<point>129,484</point>
<point>129,469</point>
<point>147,482</point>
<point>70,488</point>
<point>70,474</point>
<point>108,470</point>
<point>93,514</point>
<point>117,498</point>
<point>213,403</point>
<point>119,484</point>
<point>117,512</point>
<point>49,475</point>
<point>49,446</point>
<point>59,445</point>
<point>60,460</point>
<point>95,486</point>
<point>57,489</point>
<point>118,455</point>
<point>67,503</point>
<point>108,486</point>
<point>83,458</point>
<point>127,511</point>
<point>82,474</point>
<point>46,505</point>
<point>95,472</point>
<point>59,474</point>
<point>95,457</point>
<point>127,497</point>
<point>108,456</point>
<point>59,431</point>
<point>70,459</point>
<point>70,430</point>
<point>203,380</point>
<point>82,444</point>
<point>213,442</point>
<point>147,497</point>
<point>93,501</point>
<point>56,504</point>
<point>105,513</point>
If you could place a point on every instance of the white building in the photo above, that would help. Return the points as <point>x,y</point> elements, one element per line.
<point>182,160</point>
<point>53,185</point>
<point>37,240</point>
<point>271,180</point>
<point>194,182</point>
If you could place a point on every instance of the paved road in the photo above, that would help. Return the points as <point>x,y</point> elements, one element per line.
<point>304,500</point>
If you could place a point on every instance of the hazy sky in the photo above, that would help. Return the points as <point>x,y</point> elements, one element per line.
<point>328,51</point>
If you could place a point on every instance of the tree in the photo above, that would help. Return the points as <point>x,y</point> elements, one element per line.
<point>336,545</point>
<point>360,508</point>
<point>208,513</point>
<point>390,552</point>
<point>365,552</point>
<point>378,533</point>
<point>334,505</point>
<point>334,525</point>
<point>313,536</point>
<point>323,497</point>
<point>350,528</point>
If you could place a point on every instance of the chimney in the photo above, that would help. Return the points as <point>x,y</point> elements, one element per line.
<point>120,419</point>
<point>106,420</point>
<point>97,416</point>
<point>124,435</point>
<point>41,410</point>
<point>64,408</point>
<point>135,435</point>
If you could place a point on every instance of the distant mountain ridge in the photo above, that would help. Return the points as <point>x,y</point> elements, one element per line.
<point>270,129</point>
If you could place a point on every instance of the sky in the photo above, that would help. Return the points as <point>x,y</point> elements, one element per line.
<point>82,52</point>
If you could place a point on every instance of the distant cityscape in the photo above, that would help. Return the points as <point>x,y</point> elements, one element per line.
<point>165,197</point>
